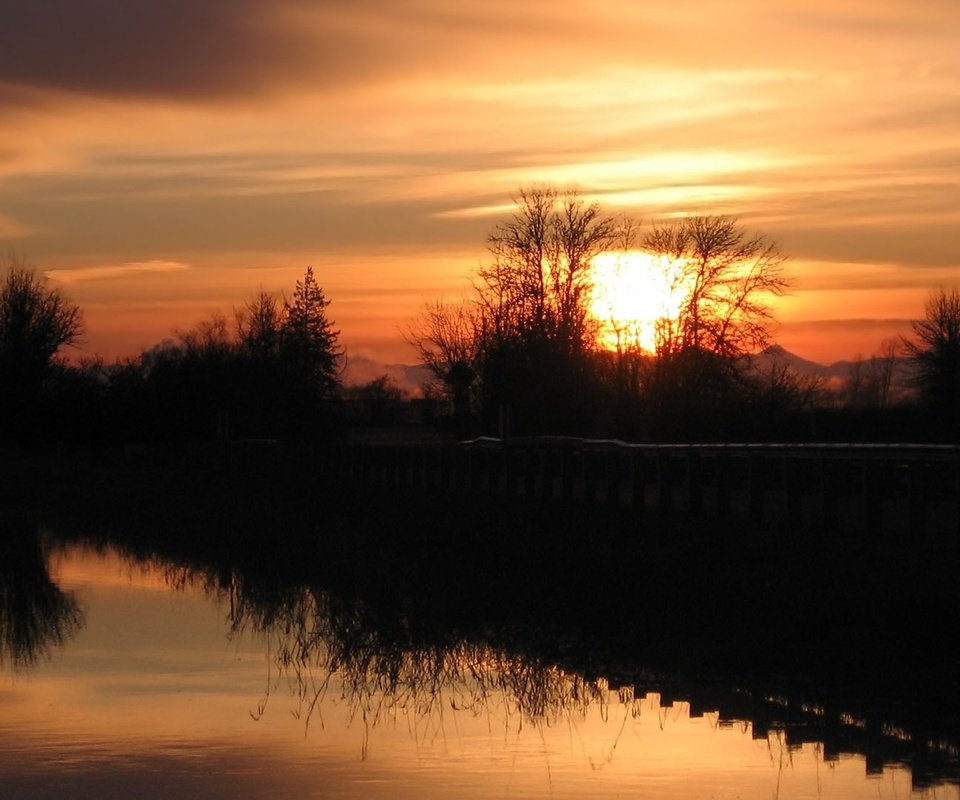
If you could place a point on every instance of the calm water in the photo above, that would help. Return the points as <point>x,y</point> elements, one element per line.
<point>148,681</point>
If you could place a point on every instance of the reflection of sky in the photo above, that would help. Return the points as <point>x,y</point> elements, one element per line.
<point>381,134</point>
<point>152,700</point>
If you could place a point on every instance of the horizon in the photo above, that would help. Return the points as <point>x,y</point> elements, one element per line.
<point>158,178</point>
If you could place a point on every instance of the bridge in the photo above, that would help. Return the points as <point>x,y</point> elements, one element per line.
<point>877,491</point>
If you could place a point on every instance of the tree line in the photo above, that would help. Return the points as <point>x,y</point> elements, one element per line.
<point>524,353</point>
<point>268,373</point>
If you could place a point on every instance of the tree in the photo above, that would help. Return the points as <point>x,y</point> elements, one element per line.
<point>265,376</point>
<point>869,382</point>
<point>538,283</point>
<point>448,343</point>
<point>377,402</point>
<point>259,325</point>
<point>537,336</point>
<point>309,344</point>
<point>935,355</point>
<point>35,322</point>
<point>884,370</point>
<point>727,275</point>
<point>523,345</point>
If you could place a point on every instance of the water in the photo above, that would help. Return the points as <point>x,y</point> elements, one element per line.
<point>153,680</point>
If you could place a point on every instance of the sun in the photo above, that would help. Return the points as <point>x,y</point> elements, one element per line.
<point>634,294</point>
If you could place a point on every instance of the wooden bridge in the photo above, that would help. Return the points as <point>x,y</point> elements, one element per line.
<point>879,491</point>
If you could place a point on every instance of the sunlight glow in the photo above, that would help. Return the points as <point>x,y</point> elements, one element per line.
<point>634,295</point>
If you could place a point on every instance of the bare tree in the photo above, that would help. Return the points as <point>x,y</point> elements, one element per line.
<point>444,335</point>
<point>522,343</point>
<point>539,280</point>
<point>883,369</point>
<point>35,322</point>
<point>934,352</point>
<point>727,275</point>
<point>259,325</point>
<point>448,338</point>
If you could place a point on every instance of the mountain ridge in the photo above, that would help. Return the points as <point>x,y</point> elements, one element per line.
<point>411,377</point>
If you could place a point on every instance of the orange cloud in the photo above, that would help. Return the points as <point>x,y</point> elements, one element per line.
<point>116,271</point>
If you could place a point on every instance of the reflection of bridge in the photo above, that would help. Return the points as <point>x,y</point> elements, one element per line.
<point>930,753</point>
<point>877,490</point>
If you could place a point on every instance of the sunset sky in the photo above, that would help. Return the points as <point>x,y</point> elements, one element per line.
<point>164,160</point>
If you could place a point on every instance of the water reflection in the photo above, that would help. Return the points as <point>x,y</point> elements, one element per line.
<point>383,662</point>
<point>35,615</point>
<point>381,657</point>
<point>316,641</point>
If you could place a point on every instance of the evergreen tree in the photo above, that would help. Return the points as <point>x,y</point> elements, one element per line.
<point>309,343</point>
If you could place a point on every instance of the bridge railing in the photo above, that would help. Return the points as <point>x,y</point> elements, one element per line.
<point>879,490</point>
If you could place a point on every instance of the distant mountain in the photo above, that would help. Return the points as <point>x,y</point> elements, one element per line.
<point>835,374</point>
<point>775,355</point>
<point>410,377</point>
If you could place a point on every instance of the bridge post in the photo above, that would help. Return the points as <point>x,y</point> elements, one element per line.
<point>638,484</point>
<point>532,470</point>
<point>589,468</point>
<point>793,487</point>
<point>917,502</point>
<point>756,477</point>
<point>830,496</point>
<point>724,485</point>
<point>616,470</point>
<point>872,499</point>
<point>664,482</point>
<point>566,475</point>
<point>455,480</point>
<point>694,484</point>
<point>956,504</point>
<point>508,472</point>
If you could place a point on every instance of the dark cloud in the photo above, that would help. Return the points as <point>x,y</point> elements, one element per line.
<point>182,49</point>
<point>205,49</point>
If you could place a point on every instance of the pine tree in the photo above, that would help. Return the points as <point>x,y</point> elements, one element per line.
<point>310,343</point>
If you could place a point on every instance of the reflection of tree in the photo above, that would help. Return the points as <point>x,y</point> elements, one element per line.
<point>409,649</point>
<point>382,668</point>
<point>35,615</point>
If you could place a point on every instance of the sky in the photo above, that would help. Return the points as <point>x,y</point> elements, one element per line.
<point>161,161</point>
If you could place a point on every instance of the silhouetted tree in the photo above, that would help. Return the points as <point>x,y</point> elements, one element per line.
<point>530,336</point>
<point>259,325</point>
<point>449,342</point>
<point>870,382</point>
<point>377,402</point>
<point>525,342</point>
<point>538,284</point>
<point>935,354</point>
<point>35,322</point>
<point>536,335</point>
<point>727,276</point>
<point>309,344</point>
<point>267,375</point>
<point>883,370</point>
